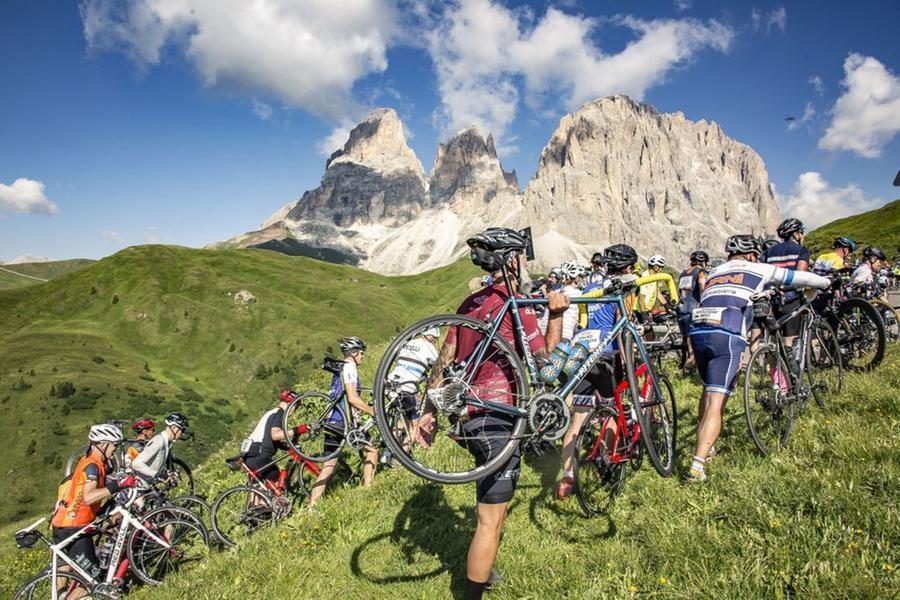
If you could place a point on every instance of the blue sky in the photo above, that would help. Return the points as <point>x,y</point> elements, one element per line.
<point>190,121</point>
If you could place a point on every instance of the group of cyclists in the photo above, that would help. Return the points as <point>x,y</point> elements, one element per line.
<point>713,307</point>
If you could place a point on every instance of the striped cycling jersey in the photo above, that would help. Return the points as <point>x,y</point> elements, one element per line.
<point>787,255</point>
<point>416,358</point>
<point>726,304</point>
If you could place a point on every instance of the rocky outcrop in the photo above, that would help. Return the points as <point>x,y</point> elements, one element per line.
<point>615,171</point>
<point>618,171</point>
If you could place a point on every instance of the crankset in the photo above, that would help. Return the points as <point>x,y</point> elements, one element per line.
<point>357,439</point>
<point>549,416</point>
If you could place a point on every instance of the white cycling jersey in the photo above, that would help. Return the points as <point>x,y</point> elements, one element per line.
<point>152,459</point>
<point>570,317</point>
<point>416,358</point>
<point>863,274</point>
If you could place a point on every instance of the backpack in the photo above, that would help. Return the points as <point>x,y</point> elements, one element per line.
<point>332,365</point>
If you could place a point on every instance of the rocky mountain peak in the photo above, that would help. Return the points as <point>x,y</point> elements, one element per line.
<point>378,142</point>
<point>467,164</point>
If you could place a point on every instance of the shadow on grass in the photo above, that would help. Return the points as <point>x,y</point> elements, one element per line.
<point>553,517</point>
<point>426,524</point>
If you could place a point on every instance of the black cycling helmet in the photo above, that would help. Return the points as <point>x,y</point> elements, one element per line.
<point>351,344</point>
<point>178,420</point>
<point>489,246</point>
<point>742,244</point>
<point>788,227</point>
<point>598,260</point>
<point>844,242</point>
<point>620,256</point>
<point>767,243</point>
<point>698,257</point>
<point>874,252</point>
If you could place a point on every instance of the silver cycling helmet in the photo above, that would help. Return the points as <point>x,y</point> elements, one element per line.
<point>351,344</point>
<point>656,261</point>
<point>104,432</point>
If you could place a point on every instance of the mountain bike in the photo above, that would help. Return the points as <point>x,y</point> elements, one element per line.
<point>781,378</point>
<point>489,377</point>
<point>609,443</point>
<point>151,546</point>
<point>240,511</point>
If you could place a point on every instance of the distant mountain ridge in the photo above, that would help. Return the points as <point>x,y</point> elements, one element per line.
<point>614,171</point>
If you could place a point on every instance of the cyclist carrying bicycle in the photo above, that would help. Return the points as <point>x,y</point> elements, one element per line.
<point>347,385</point>
<point>143,430</point>
<point>597,320</point>
<point>80,498</point>
<point>258,450</point>
<point>481,429</point>
<point>719,328</point>
<point>150,464</point>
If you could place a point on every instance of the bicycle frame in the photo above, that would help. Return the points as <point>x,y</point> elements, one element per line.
<point>279,488</point>
<point>633,434</point>
<point>511,306</point>
<point>118,565</point>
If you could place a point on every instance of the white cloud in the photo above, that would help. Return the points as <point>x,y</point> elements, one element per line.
<point>112,236</point>
<point>481,50</point>
<point>307,53</point>
<point>153,235</point>
<point>867,116</point>
<point>815,202</point>
<point>334,140</point>
<point>683,5</point>
<point>262,109</point>
<point>25,196</point>
<point>776,17</point>
<point>817,84</point>
<point>809,112</point>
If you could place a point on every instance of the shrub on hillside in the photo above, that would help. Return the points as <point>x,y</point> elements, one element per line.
<point>64,389</point>
<point>21,385</point>
<point>98,359</point>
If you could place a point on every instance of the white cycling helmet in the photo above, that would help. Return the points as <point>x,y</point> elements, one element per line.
<point>571,270</point>
<point>434,332</point>
<point>105,433</point>
<point>656,261</point>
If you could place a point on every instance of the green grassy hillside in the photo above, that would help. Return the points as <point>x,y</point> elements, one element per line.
<point>817,520</point>
<point>45,270</point>
<point>154,329</point>
<point>879,227</point>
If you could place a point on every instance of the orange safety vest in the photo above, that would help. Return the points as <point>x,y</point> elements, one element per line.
<point>71,510</point>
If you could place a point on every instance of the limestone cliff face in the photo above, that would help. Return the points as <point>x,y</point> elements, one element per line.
<point>618,171</point>
<point>615,171</point>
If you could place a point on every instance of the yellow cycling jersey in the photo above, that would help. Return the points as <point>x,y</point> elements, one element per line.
<point>630,299</point>
<point>830,261</point>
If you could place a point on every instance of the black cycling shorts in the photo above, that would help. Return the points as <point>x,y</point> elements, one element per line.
<point>259,462</point>
<point>792,327</point>
<point>485,435</point>
<point>602,378</point>
<point>81,550</point>
<point>408,404</point>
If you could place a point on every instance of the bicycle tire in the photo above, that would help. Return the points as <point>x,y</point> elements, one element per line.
<point>383,405</point>
<point>196,505</point>
<point>73,459</point>
<point>823,356</point>
<point>264,517</point>
<point>852,330</point>
<point>777,405</point>
<point>890,317</point>
<point>651,412</point>
<point>318,430</point>
<point>29,591</point>
<point>185,476</point>
<point>597,481</point>
<point>175,524</point>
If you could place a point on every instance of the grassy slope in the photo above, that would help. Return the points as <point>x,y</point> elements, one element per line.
<point>880,227</point>
<point>176,340</point>
<point>46,270</point>
<point>818,520</point>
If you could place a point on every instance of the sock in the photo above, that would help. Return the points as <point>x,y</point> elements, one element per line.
<point>474,590</point>
<point>698,464</point>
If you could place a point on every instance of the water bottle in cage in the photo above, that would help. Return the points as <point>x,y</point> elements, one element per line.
<point>577,355</point>
<point>555,363</point>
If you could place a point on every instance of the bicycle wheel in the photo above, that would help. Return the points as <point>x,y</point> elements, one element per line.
<point>768,402</point>
<point>239,512</point>
<point>655,412</point>
<point>178,540</point>
<point>860,334</point>
<point>196,505</point>
<point>890,318</point>
<point>324,421</point>
<point>598,480</point>
<point>432,418</point>
<point>179,478</point>
<point>41,586</point>
<point>824,368</point>
<point>73,459</point>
